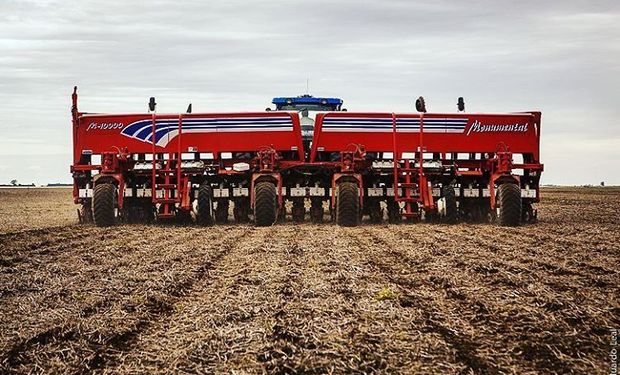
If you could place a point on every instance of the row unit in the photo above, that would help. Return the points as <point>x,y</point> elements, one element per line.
<point>311,191</point>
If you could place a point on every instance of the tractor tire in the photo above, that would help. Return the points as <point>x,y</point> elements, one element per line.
<point>104,202</point>
<point>447,192</point>
<point>204,211</point>
<point>299,211</point>
<point>509,205</point>
<point>265,203</point>
<point>348,205</point>
<point>221,211</point>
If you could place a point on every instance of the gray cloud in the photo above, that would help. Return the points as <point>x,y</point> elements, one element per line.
<point>558,57</point>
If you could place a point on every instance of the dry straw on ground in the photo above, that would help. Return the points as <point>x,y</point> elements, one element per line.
<point>310,298</point>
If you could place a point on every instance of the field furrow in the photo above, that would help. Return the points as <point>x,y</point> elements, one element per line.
<point>304,298</point>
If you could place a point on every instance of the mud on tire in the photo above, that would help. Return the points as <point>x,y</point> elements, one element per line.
<point>104,200</point>
<point>265,203</point>
<point>509,195</point>
<point>348,204</point>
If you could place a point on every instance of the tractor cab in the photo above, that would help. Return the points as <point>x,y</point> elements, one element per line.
<point>304,104</point>
<point>307,102</point>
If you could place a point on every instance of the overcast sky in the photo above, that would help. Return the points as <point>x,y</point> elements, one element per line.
<point>559,57</point>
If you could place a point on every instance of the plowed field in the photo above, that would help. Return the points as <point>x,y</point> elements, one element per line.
<point>421,298</point>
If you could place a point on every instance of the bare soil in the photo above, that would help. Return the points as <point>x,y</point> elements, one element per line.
<point>418,298</point>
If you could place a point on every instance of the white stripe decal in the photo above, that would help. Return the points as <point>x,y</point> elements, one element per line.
<point>368,124</point>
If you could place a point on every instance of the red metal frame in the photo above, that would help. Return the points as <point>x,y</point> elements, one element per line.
<point>98,133</point>
<point>102,134</point>
<point>413,178</point>
<point>472,137</point>
<point>450,134</point>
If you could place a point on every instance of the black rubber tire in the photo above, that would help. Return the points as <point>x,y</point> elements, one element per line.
<point>509,205</point>
<point>447,192</point>
<point>204,209</point>
<point>104,200</point>
<point>348,205</point>
<point>265,203</point>
<point>299,211</point>
<point>221,211</point>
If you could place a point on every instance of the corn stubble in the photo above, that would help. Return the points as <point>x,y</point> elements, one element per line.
<point>311,298</point>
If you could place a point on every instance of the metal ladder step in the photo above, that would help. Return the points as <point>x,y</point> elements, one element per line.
<point>167,201</point>
<point>166,215</point>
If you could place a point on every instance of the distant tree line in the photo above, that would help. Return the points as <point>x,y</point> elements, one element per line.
<point>17,184</point>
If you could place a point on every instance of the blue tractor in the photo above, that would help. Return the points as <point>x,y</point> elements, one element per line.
<point>307,102</point>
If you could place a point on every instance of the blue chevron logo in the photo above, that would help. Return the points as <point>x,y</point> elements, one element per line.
<point>167,129</point>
